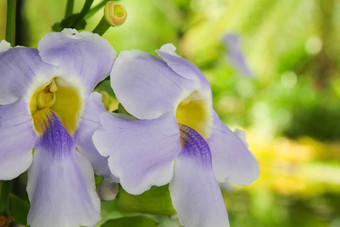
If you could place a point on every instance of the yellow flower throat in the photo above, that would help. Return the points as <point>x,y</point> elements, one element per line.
<point>59,97</point>
<point>195,112</point>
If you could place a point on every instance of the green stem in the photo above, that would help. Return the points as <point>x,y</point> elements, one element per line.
<point>10,23</point>
<point>102,27</point>
<point>69,8</point>
<point>4,197</point>
<point>96,8</point>
<point>83,12</point>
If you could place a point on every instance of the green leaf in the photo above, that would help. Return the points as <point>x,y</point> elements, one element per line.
<point>19,209</point>
<point>109,210</point>
<point>155,201</point>
<point>137,221</point>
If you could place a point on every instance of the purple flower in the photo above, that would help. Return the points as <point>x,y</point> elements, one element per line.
<point>178,139</point>
<point>235,55</point>
<point>46,105</point>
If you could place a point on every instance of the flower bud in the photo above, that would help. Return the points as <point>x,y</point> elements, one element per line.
<point>108,190</point>
<point>115,13</point>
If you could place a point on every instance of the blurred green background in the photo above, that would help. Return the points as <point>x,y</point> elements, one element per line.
<point>289,107</point>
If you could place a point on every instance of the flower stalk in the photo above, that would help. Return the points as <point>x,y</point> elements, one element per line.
<point>102,27</point>
<point>4,197</point>
<point>69,8</point>
<point>95,9</point>
<point>10,23</point>
<point>83,12</point>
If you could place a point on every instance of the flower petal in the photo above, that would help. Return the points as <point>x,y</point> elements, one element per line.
<point>82,54</point>
<point>18,66</point>
<point>183,67</point>
<point>194,190</point>
<point>61,185</point>
<point>141,152</point>
<point>235,54</point>
<point>88,123</point>
<point>232,161</point>
<point>17,139</point>
<point>146,86</point>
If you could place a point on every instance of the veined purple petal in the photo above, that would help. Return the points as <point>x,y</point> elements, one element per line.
<point>235,54</point>
<point>183,67</point>
<point>61,185</point>
<point>82,54</point>
<point>232,161</point>
<point>146,86</point>
<point>88,123</point>
<point>141,152</point>
<point>193,144</point>
<point>56,139</point>
<point>18,66</point>
<point>17,139</point>
<point>194,190</point>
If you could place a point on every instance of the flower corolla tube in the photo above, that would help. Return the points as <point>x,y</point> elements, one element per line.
<point>46,106</point>
<point>177,137</point>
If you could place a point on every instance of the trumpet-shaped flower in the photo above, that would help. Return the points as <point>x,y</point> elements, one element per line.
<point>178,139</point>
<point>46,104</point>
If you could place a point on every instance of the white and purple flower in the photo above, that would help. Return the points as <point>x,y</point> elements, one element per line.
<point>46,105</point>
<point>178,138</point>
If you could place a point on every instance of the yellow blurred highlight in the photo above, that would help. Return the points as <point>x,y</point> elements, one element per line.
<point>301,167</point>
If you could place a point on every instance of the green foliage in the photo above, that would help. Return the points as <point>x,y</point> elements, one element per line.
<point>155,201</point>
<point>267,208</point>
<point>292,48</point>
<point>315,121</point>
<point>19,209</point>
<point>136,221</point>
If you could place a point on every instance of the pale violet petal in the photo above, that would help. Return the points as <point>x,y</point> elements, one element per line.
<point>242,135</point>
<point>141,152</point>
<point>183,67</point>
<point>232,161</point>
<point>88,123</point>
<point>82,54</point>
<point>194,191</point>
<point>146,86</point>
<point>235,54</point>
<point>18,67</point>
<point>17,138</point>
<point>62,191</point>
<point>61,186</point>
